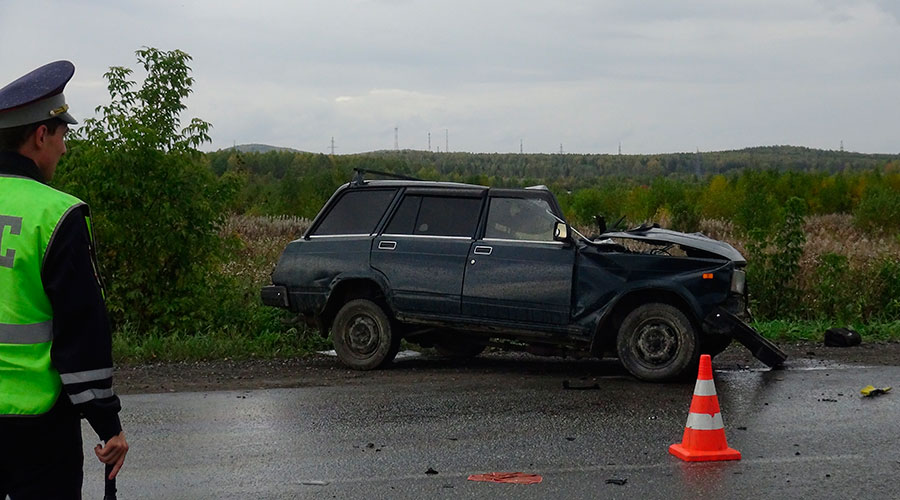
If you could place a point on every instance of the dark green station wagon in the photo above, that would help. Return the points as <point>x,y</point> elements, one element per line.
<point>460,267</point>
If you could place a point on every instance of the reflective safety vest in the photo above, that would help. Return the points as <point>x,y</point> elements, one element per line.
<point>29,215</point>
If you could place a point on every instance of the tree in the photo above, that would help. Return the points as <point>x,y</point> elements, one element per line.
<point>157,205</point>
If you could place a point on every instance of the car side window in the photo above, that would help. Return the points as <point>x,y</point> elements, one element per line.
<point>436,216</point>
<point>404,219</point>
<point>519,219</point>
<point>356,212</point>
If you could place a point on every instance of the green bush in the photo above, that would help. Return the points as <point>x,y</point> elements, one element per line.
<point>879,209</point>
<point>836,291</point>
<point>157,205</point>
<point>774,263</point>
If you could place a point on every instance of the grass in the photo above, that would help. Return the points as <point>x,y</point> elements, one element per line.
<point>814,330</point>
<point>129,347</point>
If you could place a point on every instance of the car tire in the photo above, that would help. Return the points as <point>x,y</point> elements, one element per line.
<point>457,346</point>
<point>363,335</point>
<point>657,342</point>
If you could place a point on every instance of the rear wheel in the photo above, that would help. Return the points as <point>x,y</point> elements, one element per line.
<point>657,342</point>
<point>363,335</point>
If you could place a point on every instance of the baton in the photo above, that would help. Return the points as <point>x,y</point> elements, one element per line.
<point>109,485</point>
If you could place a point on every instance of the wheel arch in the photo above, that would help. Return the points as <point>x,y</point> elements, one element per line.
<point>608,327</point>
<point>345,289</point>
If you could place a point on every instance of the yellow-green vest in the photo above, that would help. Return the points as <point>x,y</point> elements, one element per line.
<point>30,213</point>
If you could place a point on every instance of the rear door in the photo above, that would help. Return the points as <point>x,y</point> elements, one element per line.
<point>423,248</point>
<point>516,271</point>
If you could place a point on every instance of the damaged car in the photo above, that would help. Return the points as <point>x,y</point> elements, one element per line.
<point>461,267</point>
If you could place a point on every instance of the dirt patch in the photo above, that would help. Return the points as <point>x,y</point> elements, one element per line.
<point>320,370</point>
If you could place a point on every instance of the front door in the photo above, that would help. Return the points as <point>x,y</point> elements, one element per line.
<point>516,271</point>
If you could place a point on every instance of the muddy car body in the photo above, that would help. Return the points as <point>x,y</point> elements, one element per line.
<point>459,267</point>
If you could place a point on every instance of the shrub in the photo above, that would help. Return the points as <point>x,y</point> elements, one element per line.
<point>157,205</point>
<point>774,263</point>
<point>879,209</point>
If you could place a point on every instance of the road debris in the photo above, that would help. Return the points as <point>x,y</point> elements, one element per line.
<point>869,391</point>
<point>507,477</point>
<point>616,480</point>
<point>431,471</point>
<point>842,337</point>
<point>314,483</point>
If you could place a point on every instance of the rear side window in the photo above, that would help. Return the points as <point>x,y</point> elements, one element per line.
<point>436,216</point>
<point>356,212</point>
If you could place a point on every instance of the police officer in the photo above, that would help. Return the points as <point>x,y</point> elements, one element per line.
<point>55,343</point>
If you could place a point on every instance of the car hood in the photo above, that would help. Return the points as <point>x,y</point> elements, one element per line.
<point>696,241</point>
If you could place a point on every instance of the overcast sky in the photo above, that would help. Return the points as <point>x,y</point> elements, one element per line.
<point>656,76</point>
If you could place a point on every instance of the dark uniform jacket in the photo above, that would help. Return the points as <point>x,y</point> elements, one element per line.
<point>82,341</point>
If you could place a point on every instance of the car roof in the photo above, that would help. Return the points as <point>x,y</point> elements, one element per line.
<point>411,183</point>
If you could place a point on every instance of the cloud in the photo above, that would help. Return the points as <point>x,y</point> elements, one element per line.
<point>664,75</point>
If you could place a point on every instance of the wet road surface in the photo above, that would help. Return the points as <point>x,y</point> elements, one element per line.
<point>803,431</point>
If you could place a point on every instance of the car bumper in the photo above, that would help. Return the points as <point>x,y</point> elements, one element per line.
<point>274,295</point>
<point>722,322</point>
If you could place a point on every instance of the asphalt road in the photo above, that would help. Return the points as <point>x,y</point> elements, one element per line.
<point>804,431</point>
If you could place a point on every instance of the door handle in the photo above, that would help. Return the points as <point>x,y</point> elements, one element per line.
<point>483,250</point>
<point>387,245</point>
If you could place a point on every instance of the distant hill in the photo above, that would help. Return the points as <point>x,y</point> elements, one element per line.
<point>259,148</point>
<point>572,169</point>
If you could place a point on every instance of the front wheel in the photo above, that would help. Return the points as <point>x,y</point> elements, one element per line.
<point>363,337</point>
<point>657,342</point>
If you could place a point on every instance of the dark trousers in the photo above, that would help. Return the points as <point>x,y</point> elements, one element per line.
<point>41,457</point>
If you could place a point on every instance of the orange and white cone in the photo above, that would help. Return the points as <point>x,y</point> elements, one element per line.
<point>704,432</point>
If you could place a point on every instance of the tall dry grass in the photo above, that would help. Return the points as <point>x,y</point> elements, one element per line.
<point>261,239</point>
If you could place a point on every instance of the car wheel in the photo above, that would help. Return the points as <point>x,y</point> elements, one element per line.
<point>657,342</point>
<point>363,337</point>
<point>457,346</point>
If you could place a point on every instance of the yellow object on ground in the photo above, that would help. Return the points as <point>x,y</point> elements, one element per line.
<point>874,391</point>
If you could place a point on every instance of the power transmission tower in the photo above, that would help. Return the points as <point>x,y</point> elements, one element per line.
<point>446,140</point>
<point>620,147</point>
<point>396,139</point>
<point>561,149</point>
<point>332,145</point>
<point>429,141</point>
<point>520,146</point>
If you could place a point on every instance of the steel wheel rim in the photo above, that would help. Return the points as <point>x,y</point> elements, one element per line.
<point>656,343</point>
<point>363,335</point>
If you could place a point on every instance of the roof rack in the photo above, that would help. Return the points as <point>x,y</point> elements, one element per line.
<point>359,179</point>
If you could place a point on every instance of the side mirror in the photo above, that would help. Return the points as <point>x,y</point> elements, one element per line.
<point>561,231</point>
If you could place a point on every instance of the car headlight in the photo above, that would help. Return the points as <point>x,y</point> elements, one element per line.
<point>738,282</point>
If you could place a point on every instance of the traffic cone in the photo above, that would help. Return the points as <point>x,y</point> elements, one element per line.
<point>704,432</point>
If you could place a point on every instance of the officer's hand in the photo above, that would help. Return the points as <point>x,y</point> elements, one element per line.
<point>113,453</point>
